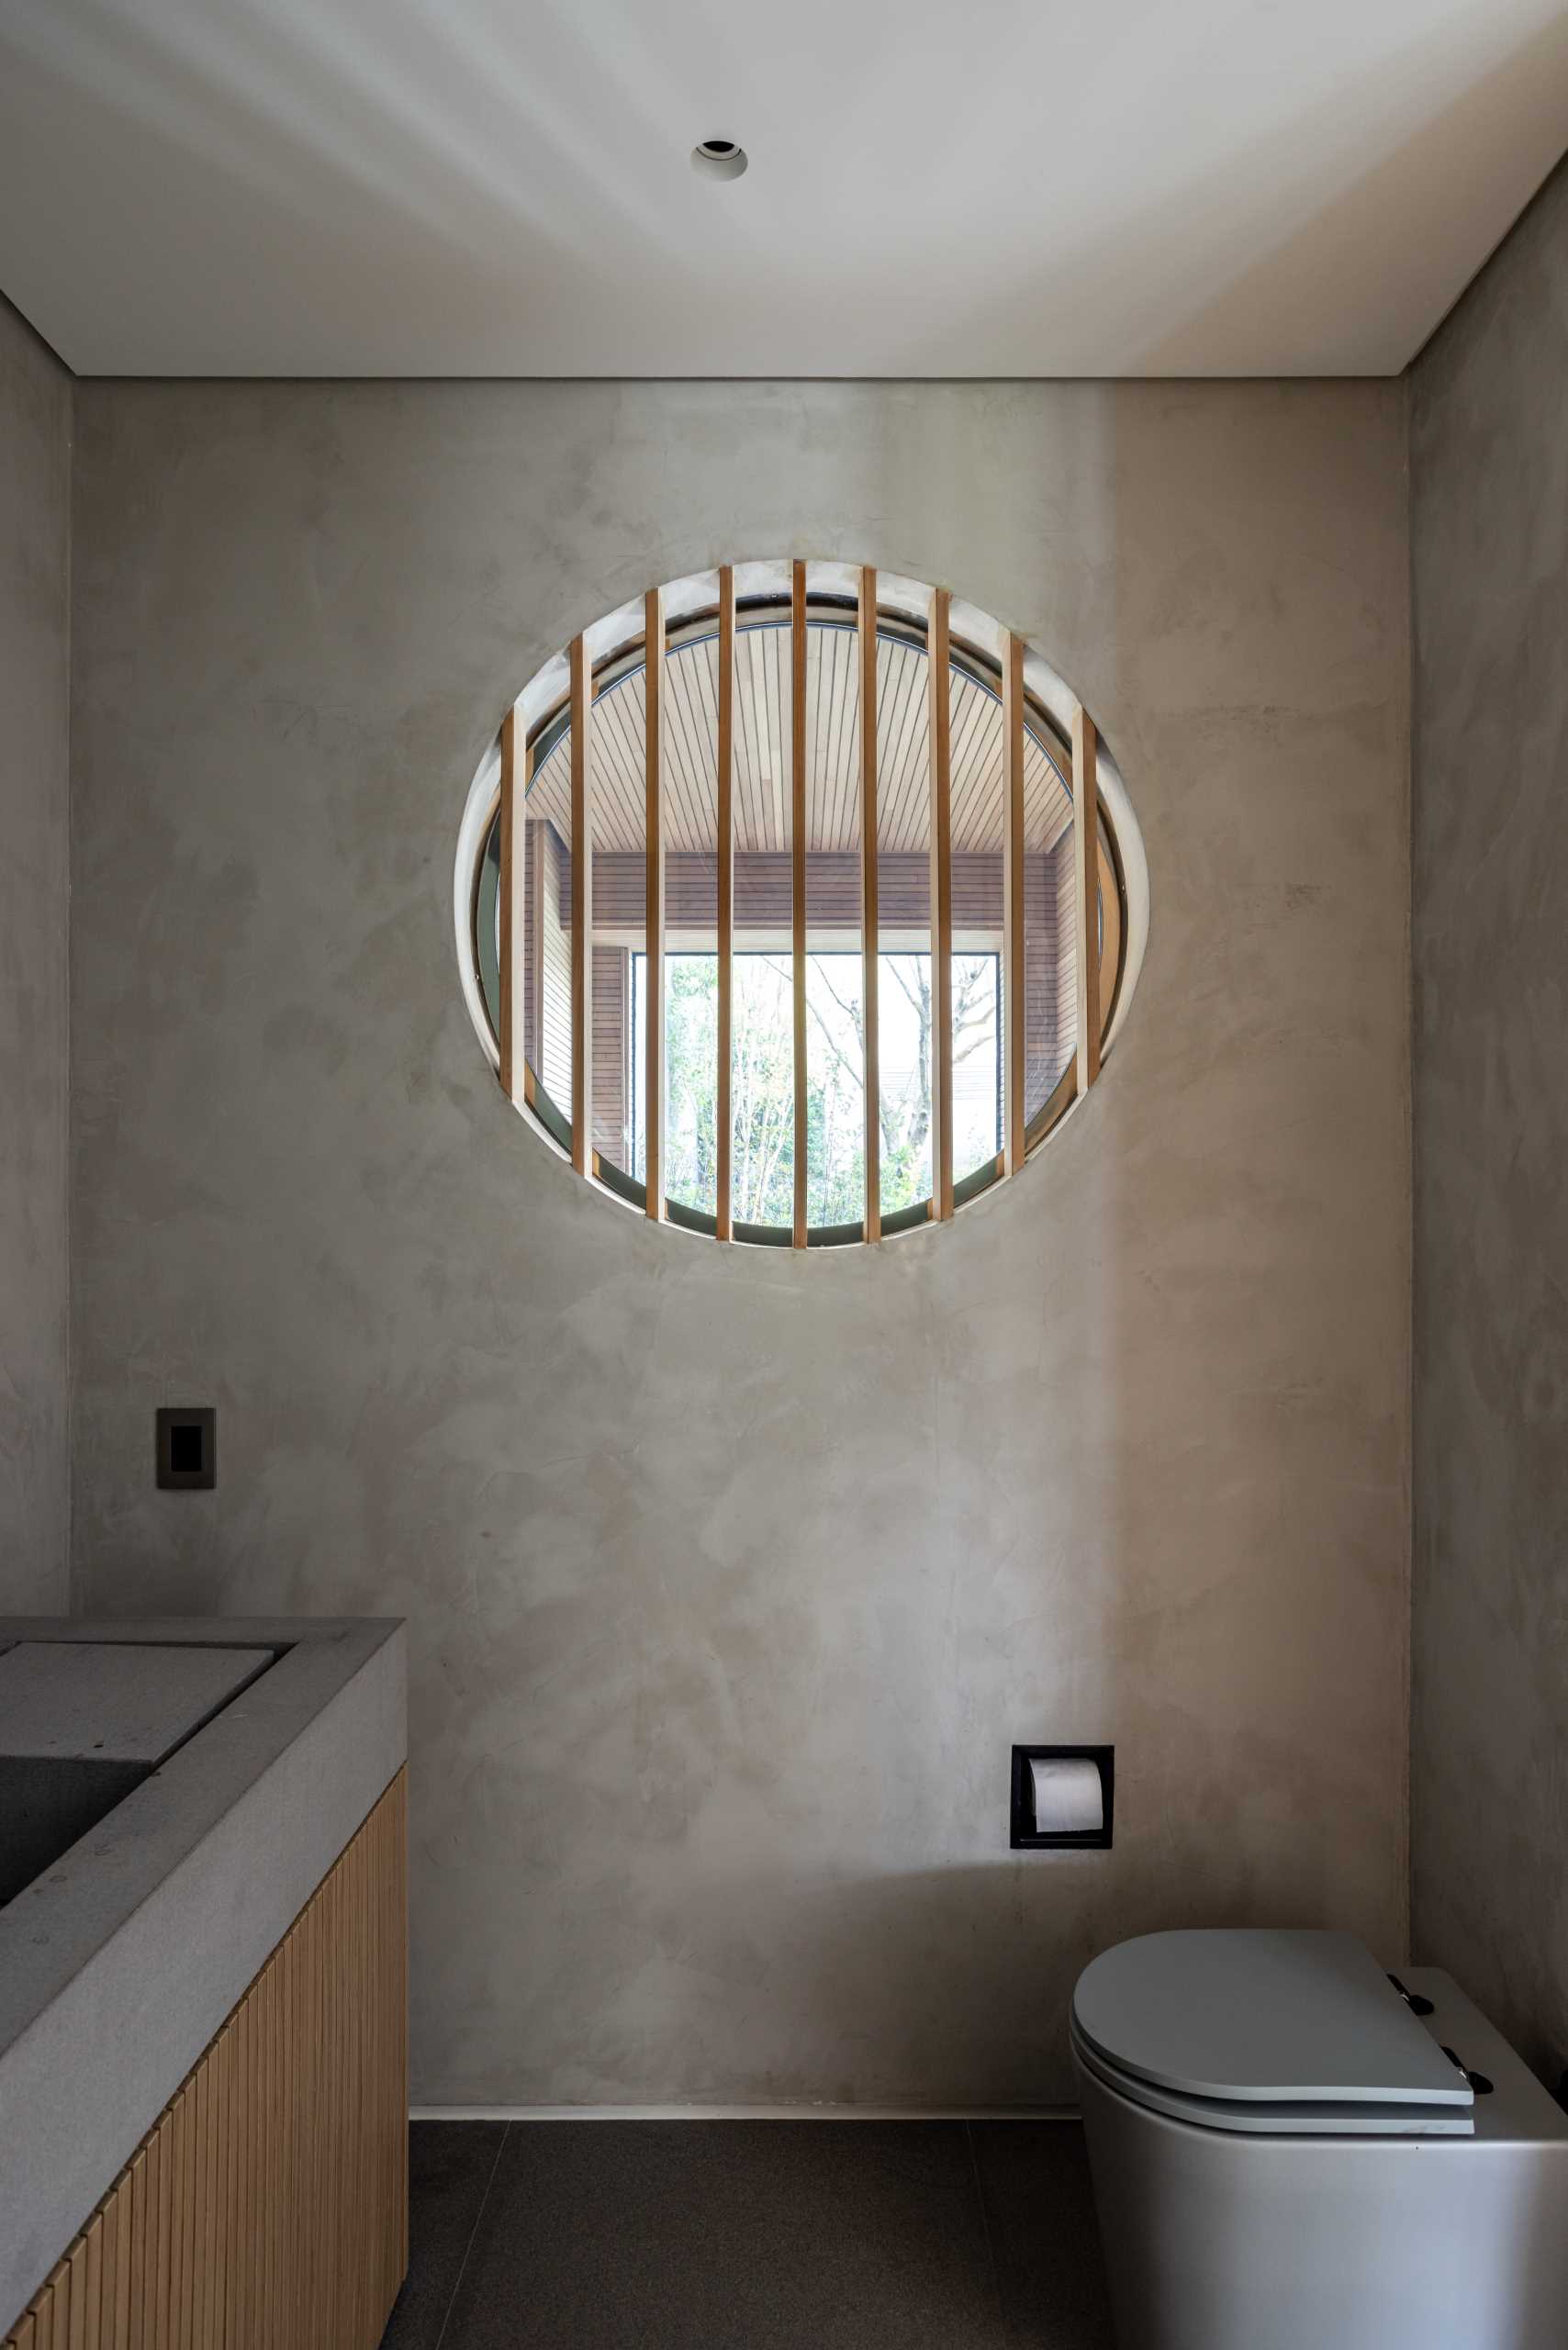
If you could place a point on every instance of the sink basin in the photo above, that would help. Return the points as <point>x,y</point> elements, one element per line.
<point>47,1804</point>
<point>81,1723</point>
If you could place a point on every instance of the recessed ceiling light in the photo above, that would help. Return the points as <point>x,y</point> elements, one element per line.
<point>721,159</point>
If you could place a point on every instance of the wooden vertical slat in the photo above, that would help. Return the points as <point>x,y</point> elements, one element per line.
<point>287,2125</point>
<point>223,2222</point>
<point>319,2039</point>
<point>654,923</point>
<point>245,2190</point>
<point>724,1113</point>
<point>209,2309</point>
<point>871,922</point>
<point>295,2089</point>
<point>139,2261</point>
<point>61,2306</point>
<point>1086,872</point>
<point>223,2211</point>
<point>233,2194</point>
<point>321,1956</point>
<point>174,2171</point>
<point>338,2185</point>
<point>362,2116</point>
<point>76,2331</point>
<point>282,2086</point>
<point>345,1964</point>
<point>512,897</point>
<point>338,1978</point>
<point>144,2249</point>
<point>939,695</point>
<point>798,880</point>
<point>112,2325</point>
<point>373,2131</point>
<point>302,2096</point>
<point>270,2040</point>
<point>92,2261</point>
<point>363,2112</point>
<point>397,1881</point>
<point>161,2180</point>
<point>185,2331</point>
<point>201,2140</point>
<point>268,2166</point>
<point>1013,904</point>
<point>357,2114</point>
<point>124,2239</point>
<point>324,1950</point>
<point>582,909</point>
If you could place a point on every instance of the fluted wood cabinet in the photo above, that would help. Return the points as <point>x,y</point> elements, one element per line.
<point>267,2208</point>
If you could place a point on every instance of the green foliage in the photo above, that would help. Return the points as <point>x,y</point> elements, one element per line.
<point>763,1080</point>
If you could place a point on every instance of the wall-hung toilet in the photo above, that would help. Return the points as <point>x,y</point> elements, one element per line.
<point>1285,2156</point>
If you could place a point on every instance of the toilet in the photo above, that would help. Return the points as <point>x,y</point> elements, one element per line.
<point>1292,2149</point>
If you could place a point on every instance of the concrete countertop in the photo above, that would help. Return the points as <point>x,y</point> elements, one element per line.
<point>120,1962</point>
<point>125,1701</point>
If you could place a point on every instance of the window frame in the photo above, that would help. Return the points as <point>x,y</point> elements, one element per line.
<point>824,608</point>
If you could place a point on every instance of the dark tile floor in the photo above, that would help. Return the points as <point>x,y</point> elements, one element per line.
<point>842,2235</point>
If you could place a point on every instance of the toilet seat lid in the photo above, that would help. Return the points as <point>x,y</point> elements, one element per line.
<point>1259,2015</point>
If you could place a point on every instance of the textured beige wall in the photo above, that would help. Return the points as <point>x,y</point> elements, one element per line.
<point>1489,444</point>
<point>732,1576</point>
<point>34,648</point>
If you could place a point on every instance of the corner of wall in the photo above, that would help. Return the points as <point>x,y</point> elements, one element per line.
<point>69,1497</point>
<point>36,435</point>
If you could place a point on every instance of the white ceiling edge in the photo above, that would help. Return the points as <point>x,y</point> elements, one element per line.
<point>364,188</point>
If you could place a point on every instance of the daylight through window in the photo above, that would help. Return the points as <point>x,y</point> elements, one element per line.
<point>780,919</point>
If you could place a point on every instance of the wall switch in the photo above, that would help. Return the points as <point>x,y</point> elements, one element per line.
<point>188,1445</point>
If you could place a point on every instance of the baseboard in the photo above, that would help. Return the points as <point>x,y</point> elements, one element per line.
<point>743,2113</point>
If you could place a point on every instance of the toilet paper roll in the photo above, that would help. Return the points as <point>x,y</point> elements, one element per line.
<point>1069,1797</point>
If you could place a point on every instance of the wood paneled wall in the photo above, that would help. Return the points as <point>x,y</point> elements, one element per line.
<point>613,1088</point>
<point>763,888</point>
<point>267,2209</point>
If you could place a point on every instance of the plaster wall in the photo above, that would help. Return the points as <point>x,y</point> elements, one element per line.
<point>35,644</point>
<point>1489,448</point>
<point>731,1576</point>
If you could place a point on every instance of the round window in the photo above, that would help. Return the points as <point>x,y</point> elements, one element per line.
<point>775,907</point>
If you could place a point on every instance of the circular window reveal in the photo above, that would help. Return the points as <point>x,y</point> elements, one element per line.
<point>777,909</point>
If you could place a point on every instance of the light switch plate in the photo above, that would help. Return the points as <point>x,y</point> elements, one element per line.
<point>187,1446</point>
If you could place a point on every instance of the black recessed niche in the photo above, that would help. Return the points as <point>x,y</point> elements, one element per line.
<point>1027,1835</point>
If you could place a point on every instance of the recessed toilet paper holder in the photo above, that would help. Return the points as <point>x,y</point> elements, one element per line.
<point>1073,1787</point>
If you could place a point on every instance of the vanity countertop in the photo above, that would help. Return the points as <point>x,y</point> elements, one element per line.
<point>125,1701</point>
<point>120,1961</point>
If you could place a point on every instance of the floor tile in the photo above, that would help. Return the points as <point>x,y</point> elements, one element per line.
<point>450,2167</point>
<point>741,2236</point>
<point>1044,2236</point>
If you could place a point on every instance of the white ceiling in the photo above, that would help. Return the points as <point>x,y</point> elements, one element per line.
<point>937,188</point>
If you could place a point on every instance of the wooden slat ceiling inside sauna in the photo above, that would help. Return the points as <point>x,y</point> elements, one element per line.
<point>762,753</point>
